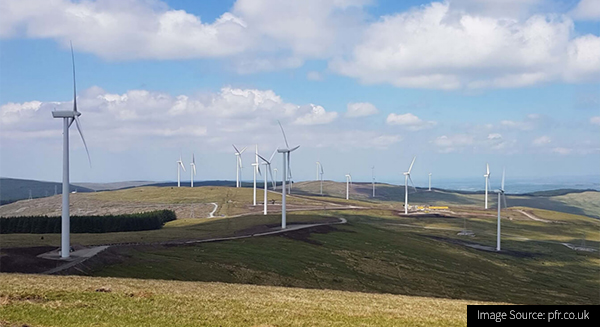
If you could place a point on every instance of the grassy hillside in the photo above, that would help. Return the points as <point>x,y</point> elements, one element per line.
<point>83,301</point>
<point>13,189</point>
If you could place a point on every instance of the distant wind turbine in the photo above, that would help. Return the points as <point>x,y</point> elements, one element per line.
<point>256,170</point>
<point>267,163</point>
<point>373,179</point>
<point>286,166</point>
<point>406,178</point>
<point>275,179</point>
<point>179,165</point>
<point>68,117</point>
<point>193,170</point>
<point>238,165</point>
<point>430,182</point>
<point>500,195</point>
<point>348,181</point>
<point>487,184</point>
<point>321,173</point>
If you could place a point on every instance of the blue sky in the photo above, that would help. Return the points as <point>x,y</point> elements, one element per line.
<point>355,83</point>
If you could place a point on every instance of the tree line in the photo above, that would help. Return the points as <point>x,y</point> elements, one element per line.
<point>88,224</point>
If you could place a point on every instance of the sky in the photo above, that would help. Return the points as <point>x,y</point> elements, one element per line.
<point>355,83</point>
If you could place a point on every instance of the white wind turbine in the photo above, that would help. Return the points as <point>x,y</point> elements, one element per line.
<point>487,184</point>
<point>179,165</point>
<point>238,165</point>
<point>348,181</point>
<point>68,118</point>
<point>321,173</point>
<point>275,179</point>
<point>267,163</point>
<point>193,170</point>
<point>373,179</point>
<point>500,195</point>
<point>406,178</point>
<point>430,182</point>
<point>256,170</point>
<point>286,166</point>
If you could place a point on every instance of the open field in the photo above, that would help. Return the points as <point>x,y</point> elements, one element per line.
<point>419,258</point>
<point>83,301</point>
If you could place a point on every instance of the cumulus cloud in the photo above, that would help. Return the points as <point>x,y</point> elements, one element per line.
<point>314,76</point>
<point>595,120</point>
<point>360,109</point>
<point>435,47</point>
<point>541,141</point>
<point>452,143</point>
<point>562,151</point>
<point>587,10</point>
<point>315,115</point>
<point>409,121</point>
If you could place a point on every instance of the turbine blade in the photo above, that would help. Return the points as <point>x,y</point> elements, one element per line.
<point>236,149</point>
<point>488,169</point>
<point>83,139</point>
<point>244,149</point>
<point>411,164</point>
<point>503,171</point>
<point>284,138</point>
<point>411,182</point>
<point>294,149</point>
<point>182,165</point>
<point>74,85</point>
<point>273,155</point>
<point>265,160</point>
<point>504,198</point>
<point>193,159</point>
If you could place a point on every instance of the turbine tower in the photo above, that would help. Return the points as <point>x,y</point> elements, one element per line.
<point>373,179</point>
<point>406,178</point>
<point>348,181</point>
<point>500,195</point>
<point>238,165</point>
<point>286,165</point>
<point>256,170</point>
<point>192,170</point>
<point>68,118</point>
<point>179,165</point>
<point>321,172</point>
<point>267,163</point>
<point>487,184</point>
<point>429,182</point>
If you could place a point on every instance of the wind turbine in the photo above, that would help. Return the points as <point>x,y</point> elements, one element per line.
<point>500,195</point>
<point>68,118</point>
<point>256,170</point>
<point>193,169</point>
<point>238,165</point>
<point>267,163</point>
<point>487,184</point>
<point>406,178</point>
<point>318,166</point>
<point>179,165</point>
<point>321,172</point>
<point>286,165</point>
<point>429,182</point>
<point>348,181</point>
<point>373,179</point>
<point>275,179</point>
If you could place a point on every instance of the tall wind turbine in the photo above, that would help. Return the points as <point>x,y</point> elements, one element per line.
<point>487,184</point>
<point>429,182</point>
<point>267,163</point>
<point>256,170</point>
<point>348,181</point>
<point>500,195</point>
<point>286,166</point>
<point>406,178</point>
<point>321,172</point>
<point>68,118</point>
<point>238,165</point>
<point>373,179</point>
<point>179,165</point>
<point>193,170</point>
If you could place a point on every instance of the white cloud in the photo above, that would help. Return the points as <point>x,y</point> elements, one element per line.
<point>562,151</point>
<point>541,141</point>
<point>587,10</point>
<point>453,143</point>
<point>314,76</point>
<point>360,109</point>
<point>435,47</point>
<point>316,115</point>
<point>595,120</point>
<point>409,121</point>
<point>494,136</point>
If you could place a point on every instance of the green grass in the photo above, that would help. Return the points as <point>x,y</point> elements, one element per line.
<point>74,301</point>
<point>375,254</point>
